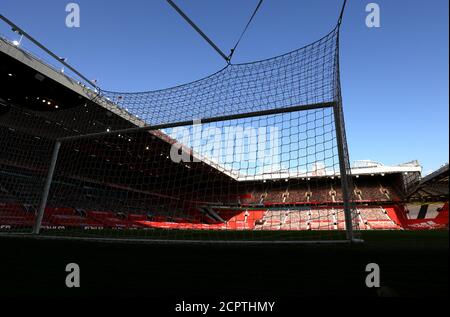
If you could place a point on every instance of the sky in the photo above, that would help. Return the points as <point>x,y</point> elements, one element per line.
<point>394,78</point>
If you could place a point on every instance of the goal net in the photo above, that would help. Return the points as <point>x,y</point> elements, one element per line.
<point>254,152</point>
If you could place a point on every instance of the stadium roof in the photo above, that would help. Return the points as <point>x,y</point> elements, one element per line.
<point>43,68</point>
<point>371,167</point>
<point>42,100</point>
<point>433,186</point>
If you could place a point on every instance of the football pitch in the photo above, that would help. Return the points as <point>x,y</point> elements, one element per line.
<point>412,263</point>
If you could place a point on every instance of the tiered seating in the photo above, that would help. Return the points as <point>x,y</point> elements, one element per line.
<point>247,198</point>
<point>296,195</point>
<point>256,196</point>
<point>373,214</point>
<point>391,192</point>
<point>274,196</point>
<point>382,225</point>
<point>235,220</point>
<point>322,219</point>
<point>295,220</point>
<point>371,191</point>
<point>15,216</point>
<point>376,218</point>
<point>112,220</point>
<point>367,191</point>
<point>273,219</point>
<point>18,190</point>
<point>337,190</point>
<point>68,217</point>
<point>320,194</point>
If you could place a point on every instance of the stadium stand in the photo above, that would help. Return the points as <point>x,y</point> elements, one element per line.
<point>324,219</point>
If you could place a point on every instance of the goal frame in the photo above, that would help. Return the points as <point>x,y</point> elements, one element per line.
<point>342,158</point>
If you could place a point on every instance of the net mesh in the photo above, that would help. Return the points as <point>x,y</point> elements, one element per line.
<point>252,152</point>
<point>302,77</point>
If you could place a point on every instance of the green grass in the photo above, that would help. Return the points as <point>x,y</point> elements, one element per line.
<point>412,263</point>
<point>202,235</point>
